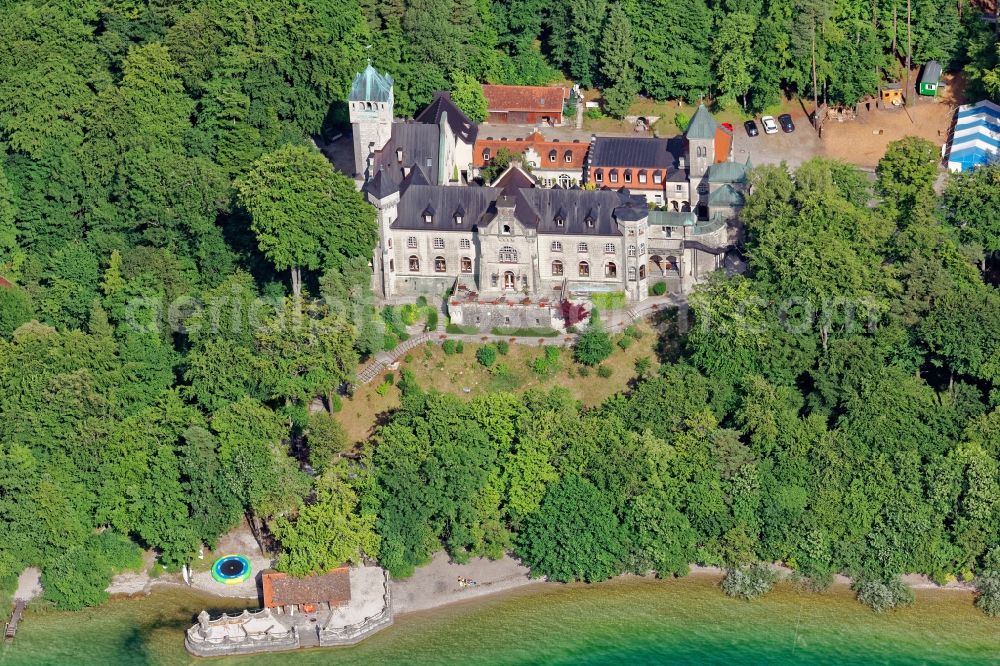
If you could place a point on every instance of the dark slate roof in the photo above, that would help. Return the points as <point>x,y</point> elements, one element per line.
<point>932,72</point>
<point>382,184</point>
<point>420,143</point>
<point>577,206</point>
<point>639,152</point>
<point>702,126</point>
<point>478,202</point>
<point>460,125</point>
<point>371,86</point>
<point>513,179</point>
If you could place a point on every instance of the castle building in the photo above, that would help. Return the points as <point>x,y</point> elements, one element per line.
<point>517,242</point>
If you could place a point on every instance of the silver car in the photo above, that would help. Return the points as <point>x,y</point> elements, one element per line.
<point>770,127</point>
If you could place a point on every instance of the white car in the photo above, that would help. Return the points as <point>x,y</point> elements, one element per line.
<point>770,127</point>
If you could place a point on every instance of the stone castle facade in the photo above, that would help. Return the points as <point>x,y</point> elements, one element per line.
<point>514,239</point>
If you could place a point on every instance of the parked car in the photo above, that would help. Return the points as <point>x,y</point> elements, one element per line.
<point>751,128</point>
<point>728,126</point>
<point>770,127</point>
<point>786,123</point>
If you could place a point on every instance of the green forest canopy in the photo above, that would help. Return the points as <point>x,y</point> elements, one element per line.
<point>152,390</point>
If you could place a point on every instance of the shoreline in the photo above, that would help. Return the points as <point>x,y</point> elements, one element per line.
<point>436,584</point>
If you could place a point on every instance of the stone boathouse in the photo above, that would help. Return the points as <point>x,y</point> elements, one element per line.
<point>339,608</point>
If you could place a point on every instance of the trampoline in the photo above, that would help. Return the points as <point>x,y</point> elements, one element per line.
<point>231,569</point>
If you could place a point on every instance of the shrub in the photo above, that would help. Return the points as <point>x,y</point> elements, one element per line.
<point>572,313</point>
<point>408,314</point>
<point>383,388</point>
<point>633,332</point>
<point>584,371</point>
<point>603,371</point>
<point>421,301</point>
<point>456,329</point>
<point>594,345</point>
<point>486,355</point>
<point>449,347</point>
<point>659,289</point>
<point>432,320</point>
<point>571,329</point>
<point>749,582</point>
<point>459,347</point>
<point>389,341</point>
<point>547,364</point>
<point>681,121</point>
<point>503,347</point>
<point>336,404</point>
<point>988,593</point>
<point>408,358</point>
<point>624,342</point>
<point>390,379</point>
<point>883,595</point>
<point>526,332</point>
<point>593,113</point>
<point>642,365</point>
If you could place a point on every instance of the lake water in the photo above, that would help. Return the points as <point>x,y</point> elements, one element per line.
<point>634,621</point>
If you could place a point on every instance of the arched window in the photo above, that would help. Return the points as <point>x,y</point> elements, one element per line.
<point>440,266</point>
<point>642,271</point>
<point>466,265</point>
<point>508,255</point>
<point>506,230</point>
<point>557,268</point>
<point>486,154</point>
<point>552,156</point>
<point>584,269</point>
<point>631,273</point>
<point>568,156</point>
<point>581,247</point>
<point>609,248</point>
<point>414,264</point>
<point>392,266</point>
<point>642,249</point>
<point>610,270</point>
<point>390,243</point>
<point>631,250</point>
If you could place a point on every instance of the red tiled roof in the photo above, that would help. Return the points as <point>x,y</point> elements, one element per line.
<point>524,98</point>
<point>723,144</point>
<point>284,590</point>
<point>535,140</point>
<point>5,283</point>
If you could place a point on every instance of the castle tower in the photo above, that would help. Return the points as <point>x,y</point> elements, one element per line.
<point>370,104</point>
<point>382,193</point>
<point>700,136</point>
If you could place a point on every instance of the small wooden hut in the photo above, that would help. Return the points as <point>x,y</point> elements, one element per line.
<point>890,95</point>
<point>930,80</point>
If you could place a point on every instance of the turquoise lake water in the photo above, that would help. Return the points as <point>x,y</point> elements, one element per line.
<point>637,621</point>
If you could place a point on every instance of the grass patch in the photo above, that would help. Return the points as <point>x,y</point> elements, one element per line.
<point>610,300</point>
<point>457,329</point>
<point>526,332</point>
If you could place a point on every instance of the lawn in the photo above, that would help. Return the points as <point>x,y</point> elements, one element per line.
<point>462,375</point>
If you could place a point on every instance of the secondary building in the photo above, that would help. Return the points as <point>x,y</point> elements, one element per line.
<point>553,163</point>
<point>525,105</point>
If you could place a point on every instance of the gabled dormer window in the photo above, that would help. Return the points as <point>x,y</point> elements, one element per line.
<point>552,156</point>
<point>486,154</point>
<point>459,215</point>
<point>568,156</point>
<point>428,215</point>
<point>399,155</point>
